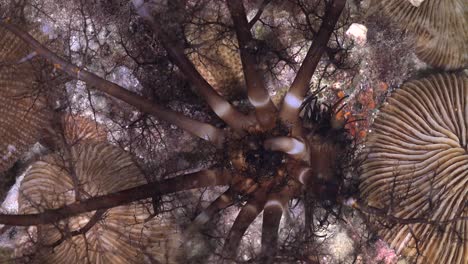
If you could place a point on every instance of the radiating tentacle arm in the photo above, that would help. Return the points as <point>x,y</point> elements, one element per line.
<point>238,186</point>
<point>199,129</point>
<point>309,177</point>
<point>294,97</point>
<point>257,92</point>
<point>246,216</point>
<point>259,13</point>
<point>289,145</point>
<point>223,201</point>
<point>303,174</point>
<point>220,106</point>
<point>272,213</point>
<point>201,179</point>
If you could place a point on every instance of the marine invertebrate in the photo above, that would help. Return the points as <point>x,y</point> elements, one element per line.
<point>415,169</point>
<point>72,129</point>
<point>124,234</point>
<point>218,61</point>
<point>12,49</point>
<point>22,108</point>
<point>78,128</point>
<point>267,156</point>
<point>439,28</point>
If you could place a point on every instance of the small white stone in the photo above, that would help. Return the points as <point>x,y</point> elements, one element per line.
<point>350,202</point>
<point>358,33</point>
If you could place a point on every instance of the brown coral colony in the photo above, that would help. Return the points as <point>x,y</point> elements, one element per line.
<point>437,26</point>
<point>416,169</point>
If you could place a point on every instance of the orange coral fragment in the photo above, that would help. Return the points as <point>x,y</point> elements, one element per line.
<point>362,134</point>
<point>383,86</point>
<point>340,115</point>
<point>341,94</point>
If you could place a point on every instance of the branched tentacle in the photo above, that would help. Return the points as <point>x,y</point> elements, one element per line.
<point>246,216</point>
<point>201,179</point>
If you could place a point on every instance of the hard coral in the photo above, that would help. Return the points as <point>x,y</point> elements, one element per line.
<point>415,169</point>
<point>124,234</point>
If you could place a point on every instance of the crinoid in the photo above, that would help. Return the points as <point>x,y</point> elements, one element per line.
<point>269,156</point>
<point>267,160</point>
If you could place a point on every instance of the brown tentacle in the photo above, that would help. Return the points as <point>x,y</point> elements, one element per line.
<point>289,145</point>
<point>220,106</point>
<point>294,97</point>
<point>316,185</point>
<point>239,186</point>
<point>246,216</point>
<point>199,129</point>
<point>257,92</point>
<point>303,174</point>
<point>259,13</point>
<point>201,179</point>
<point>272,213</point>
<point>223,201</point>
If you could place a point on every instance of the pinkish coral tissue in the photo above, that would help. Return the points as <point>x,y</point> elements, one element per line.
<point>385,254</point>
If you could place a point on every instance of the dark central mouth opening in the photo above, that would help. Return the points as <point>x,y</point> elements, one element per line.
<point>262,162</point>
<point>248,157</point>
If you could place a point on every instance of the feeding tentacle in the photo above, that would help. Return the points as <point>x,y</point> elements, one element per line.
<point>258,95</point>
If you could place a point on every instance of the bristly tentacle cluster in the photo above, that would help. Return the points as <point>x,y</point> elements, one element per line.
<point>326,132</point>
